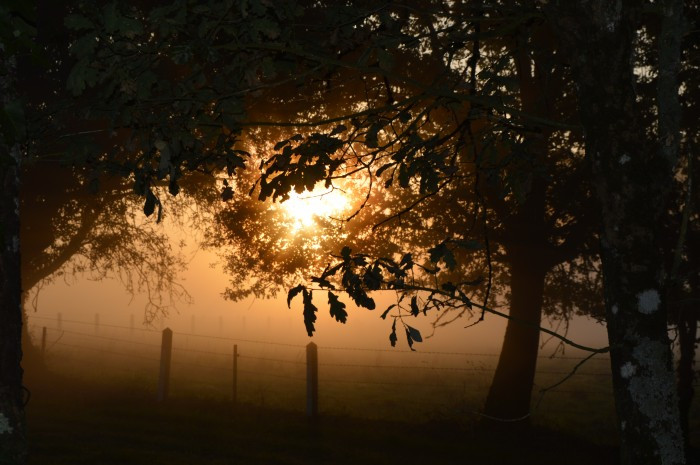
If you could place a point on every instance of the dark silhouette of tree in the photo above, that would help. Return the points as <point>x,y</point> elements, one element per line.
<point>519,188</point>
<point>632,178</point>
<point>684,274</point>
<point>69,230</point>
<point>646,344</point>
<point>13,17</point>
<point>170,91</point>
<point>75,220</point>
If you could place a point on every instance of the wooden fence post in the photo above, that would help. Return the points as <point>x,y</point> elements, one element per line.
<point>165,357</point>
<point>43,341</point>
<point>311,380</point>
<point>235,374</point>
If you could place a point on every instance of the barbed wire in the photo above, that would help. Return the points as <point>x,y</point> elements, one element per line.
<point>200,351</point>
<point>235,339</point>
<point>273,375</point>
<point>92,323</point>
<point>109,351</point>
<point>301,362</point>
<point>463,386</point>
<point>97,336</point>
<point>335,348</point>
<point>267,359</point>
<point>324,381</point>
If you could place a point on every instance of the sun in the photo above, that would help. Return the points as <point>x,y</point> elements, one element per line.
<point>303,210</point>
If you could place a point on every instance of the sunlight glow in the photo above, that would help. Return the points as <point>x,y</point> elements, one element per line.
<point>305,209</point>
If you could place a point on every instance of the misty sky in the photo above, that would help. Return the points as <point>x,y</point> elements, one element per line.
<point>81,298</point>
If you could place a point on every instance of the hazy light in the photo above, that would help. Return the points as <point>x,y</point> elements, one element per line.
<point>304,209</point>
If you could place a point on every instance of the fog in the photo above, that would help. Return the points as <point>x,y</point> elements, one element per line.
<point>358,367</point>
<point>80,299</point>
<point>102,335</point>
<point>97,334</point>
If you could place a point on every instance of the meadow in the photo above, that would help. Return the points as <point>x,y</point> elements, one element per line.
<point>95,403</point>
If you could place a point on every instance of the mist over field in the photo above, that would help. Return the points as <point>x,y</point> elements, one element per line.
<point>78,298</point>
<point>306,232</point>
<point>100,341</point>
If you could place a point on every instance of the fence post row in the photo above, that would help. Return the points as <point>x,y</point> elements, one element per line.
<point>166,349</point>
<point>312,387</point>
<point>311,380</point>
<point>235,374</point>
<point>43,341</point>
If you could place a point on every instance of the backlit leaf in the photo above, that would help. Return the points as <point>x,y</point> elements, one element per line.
<point>309,312</point>
<point>386,312</point>
<point>415,334</point>
<point>337,308</point>
<point>414,306</point>
<point>293,292</point>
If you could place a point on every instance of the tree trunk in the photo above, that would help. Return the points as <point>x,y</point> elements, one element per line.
<point>631,180</point>
<point>687,340</point>
<point>32,358</point>
<point>13,444</point>
<point>508,401</point>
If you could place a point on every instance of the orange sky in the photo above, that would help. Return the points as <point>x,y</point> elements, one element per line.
<point>271,319</point>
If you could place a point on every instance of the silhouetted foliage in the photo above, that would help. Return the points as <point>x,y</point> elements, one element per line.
<point>467,118</point>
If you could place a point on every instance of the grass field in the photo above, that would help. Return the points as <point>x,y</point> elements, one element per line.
<point>95,404</point>
<point>77,424</point>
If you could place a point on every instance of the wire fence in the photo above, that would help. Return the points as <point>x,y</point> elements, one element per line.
<point>274,372</point>
<point>601,358</point>
<point>372,383</point>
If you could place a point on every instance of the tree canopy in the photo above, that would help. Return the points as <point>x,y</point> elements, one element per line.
<point>482,138</point>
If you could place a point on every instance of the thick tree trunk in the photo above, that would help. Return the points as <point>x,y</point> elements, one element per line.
<point>508,401</point>
<point>631,180</point>
<point>13,444</point>
<point>525,237</point>
<point>643,378</point>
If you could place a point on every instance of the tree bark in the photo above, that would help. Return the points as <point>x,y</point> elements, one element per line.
<point>631,181</point>
<point>528,252</point>
<point>13,444</point>
<point>508,400</point>
<point>687,334</point>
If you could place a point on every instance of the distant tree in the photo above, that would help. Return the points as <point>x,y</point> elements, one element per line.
<point>97,148</point>
<point>74,219</point>
<point>69,230</point>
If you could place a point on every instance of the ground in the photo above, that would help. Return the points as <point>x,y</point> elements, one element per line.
<point>93,423</point>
